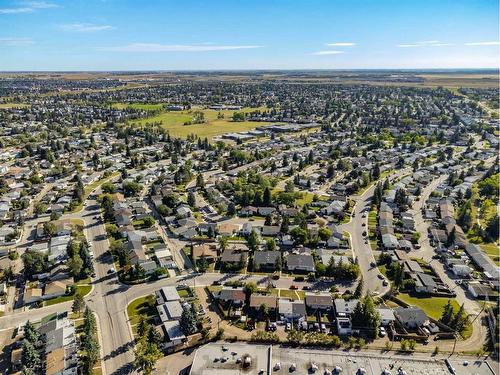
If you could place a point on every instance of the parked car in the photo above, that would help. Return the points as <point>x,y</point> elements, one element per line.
<point>382,332</point>
<point>288,327</point>
<point>323,328</point>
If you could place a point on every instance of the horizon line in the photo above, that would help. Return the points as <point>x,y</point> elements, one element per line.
<point>495,69</point>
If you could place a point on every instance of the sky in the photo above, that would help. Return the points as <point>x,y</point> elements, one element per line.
<point>69,35</point>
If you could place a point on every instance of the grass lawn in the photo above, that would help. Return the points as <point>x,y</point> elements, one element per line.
<point>184,293</point>
<point>173,121</point>
<point>433,306</point>
<point>306,198</point>
<point>14,105</point>
<point>144,306</point>
<point>292,294</point>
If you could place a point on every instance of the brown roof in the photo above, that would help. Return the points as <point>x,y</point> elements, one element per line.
<point>319,300</point>
<point>208,250</point>
<point>56,286</point>
<point>55,361</point>
<point>256,300</point>
<point>118,197</point>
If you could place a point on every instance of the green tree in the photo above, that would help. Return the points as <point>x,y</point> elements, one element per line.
<point>78,303</point>
<point>267,199</point>
<point>447,315</point>
<point>75,264</point>
<point>30,333</point>
<point>30,357</point>
<point>271,244</point>
<point>189,321</point>
<point>191,200</point>
<point>359,289</point>
<point>146,356</point>
<point>253,240</point>
<point>148,221</point>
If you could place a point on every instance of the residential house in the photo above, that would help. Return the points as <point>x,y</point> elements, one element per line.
<point>411,317</point>
<point>300,263</point>
<point>292,311</point>
<point>266,260</point>
<point>321,302</point>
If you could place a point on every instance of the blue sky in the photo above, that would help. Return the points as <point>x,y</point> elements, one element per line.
<point>248,34</point>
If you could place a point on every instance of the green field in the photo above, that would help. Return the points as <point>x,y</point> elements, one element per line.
<point>173,121</point>
<point>432,306</point>
<point>145,107</point>
<point>13,105</point>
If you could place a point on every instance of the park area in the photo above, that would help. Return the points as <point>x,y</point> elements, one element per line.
<point>215,122</point>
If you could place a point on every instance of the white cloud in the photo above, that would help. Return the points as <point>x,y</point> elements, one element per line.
<point>483,44</point>
<point>425,43</point>
<point>28,7</point>
<point>341,44</point>
<point>85,27</point>
<point>408,45</point>
<point>156,47</point>
<point>15,10</point>
<point>41,4</point>
<point>16,42</point>
<point>323,53</point>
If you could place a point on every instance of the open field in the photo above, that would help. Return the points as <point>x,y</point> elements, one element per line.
<point>13,105</point>
<point>143,106</point>
<point>173,121</point>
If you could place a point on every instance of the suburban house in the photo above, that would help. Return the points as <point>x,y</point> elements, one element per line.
<point>322,302</point>
<point>411,317</point>
<point>266,260</point>
<point>291,310</point>
<point>343,311</point>
<point>300,263</point>
<point>232,296</point>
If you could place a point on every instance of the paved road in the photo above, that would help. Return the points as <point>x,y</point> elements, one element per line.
<point>372,278</point>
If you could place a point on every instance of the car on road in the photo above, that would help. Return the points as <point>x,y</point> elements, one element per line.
<point>299,278</point>
<point>364,233</point>
<point>111,270</point>
<point>363,224</point>
<point>380,276</point>
<point>385,283</point>
<point>373,264</point>
<point>294,287</point>
<point>364,215</point>
<point>306,287</point>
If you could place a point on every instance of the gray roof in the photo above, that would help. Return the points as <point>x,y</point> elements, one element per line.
<point>299,261</point>
<point>482,260</point>
<point>345,307</point>
<point>173,330</point>
<point>410,314</point>
<point>265,257</point>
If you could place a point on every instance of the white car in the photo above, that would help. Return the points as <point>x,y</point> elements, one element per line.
<point>382,332</point>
